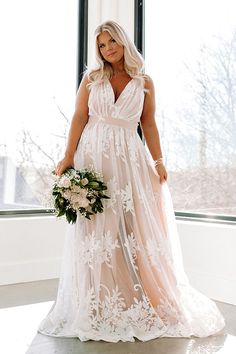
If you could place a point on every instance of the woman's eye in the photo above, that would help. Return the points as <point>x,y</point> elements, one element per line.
<point>101,46</point>
<point>113,40</point>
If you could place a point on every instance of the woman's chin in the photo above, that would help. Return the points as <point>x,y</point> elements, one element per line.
<point>113,59</point>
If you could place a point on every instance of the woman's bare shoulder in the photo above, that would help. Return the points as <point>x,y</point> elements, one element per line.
<point>148,82</point>
<point>84,83</point>
<point>85,79</point>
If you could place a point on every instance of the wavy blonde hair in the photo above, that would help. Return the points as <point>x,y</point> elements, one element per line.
<point>133,60</point>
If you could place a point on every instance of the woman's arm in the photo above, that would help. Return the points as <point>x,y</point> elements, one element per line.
<point>79,120</point>
<point>149,128</point>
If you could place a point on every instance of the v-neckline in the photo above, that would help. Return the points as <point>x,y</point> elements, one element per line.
<point>113,93</point>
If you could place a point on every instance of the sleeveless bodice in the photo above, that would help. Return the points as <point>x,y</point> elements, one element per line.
<point>127,108</point>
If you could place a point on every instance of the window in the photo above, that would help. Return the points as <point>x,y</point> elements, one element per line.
<point>190,52</point>
<point>38,86</point>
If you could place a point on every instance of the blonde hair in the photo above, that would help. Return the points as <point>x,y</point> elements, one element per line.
<point>133,60</point>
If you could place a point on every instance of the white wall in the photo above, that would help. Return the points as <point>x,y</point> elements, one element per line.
<point>209,258</point>
<point>32,248</point>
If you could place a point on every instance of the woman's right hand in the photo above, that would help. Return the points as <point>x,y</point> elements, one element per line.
<point>63,165</point>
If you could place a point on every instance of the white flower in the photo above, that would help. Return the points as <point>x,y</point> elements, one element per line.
<point>81,191</point>
<point>80,203</point>
<point>84,181</point>
<point>84,203</point>
<point>76,189</point>
<point>75,206</point>
<point>67,194</point>
<point>75,198</point>
<point>64,182</point>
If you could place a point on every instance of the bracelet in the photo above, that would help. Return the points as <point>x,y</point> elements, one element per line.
<point>158,161</point>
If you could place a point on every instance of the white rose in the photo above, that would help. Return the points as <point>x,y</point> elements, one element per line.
<point>76,189</point>
<point>83,193</point>
<point>75,206</point>
<point>67,194</point>
<point>64,182</point>
<point>84,181</point>
<point>75,198</point>
<point>84,203</point>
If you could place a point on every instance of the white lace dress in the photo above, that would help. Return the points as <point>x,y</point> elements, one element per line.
<point>122,275</point>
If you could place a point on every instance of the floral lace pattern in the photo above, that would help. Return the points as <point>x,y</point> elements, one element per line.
<point>110,316</point>
<point>114,192</point>
<point>95,251</point>
<point>122,277</point>
<point>132,247</point>
<point>127,198</point>
<point>154,252</point>
<point>133,151</point>
<point>113,138</point>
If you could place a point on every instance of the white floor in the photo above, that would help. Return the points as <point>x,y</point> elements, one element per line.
<point>19,322</point>
<point>18,326</point>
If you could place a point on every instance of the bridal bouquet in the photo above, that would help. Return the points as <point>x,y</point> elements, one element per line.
<point>78,191</point>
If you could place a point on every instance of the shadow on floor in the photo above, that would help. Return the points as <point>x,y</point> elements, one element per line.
<point>51,345</point>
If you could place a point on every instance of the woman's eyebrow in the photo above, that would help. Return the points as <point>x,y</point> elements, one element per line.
<point>110,38</point>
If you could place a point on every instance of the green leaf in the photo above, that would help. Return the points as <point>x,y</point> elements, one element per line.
<point>60,213</point>
<point>71,216</point>
<point>94,185</point>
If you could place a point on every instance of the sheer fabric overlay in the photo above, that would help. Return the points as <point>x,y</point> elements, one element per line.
<point>122,274</point>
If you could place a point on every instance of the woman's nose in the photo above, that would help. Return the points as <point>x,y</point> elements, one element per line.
<point>109,46</point>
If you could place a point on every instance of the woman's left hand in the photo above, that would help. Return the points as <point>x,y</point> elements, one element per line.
<point>161,170</point>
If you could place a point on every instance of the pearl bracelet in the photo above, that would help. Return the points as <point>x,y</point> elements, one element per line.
<point>158,161</point>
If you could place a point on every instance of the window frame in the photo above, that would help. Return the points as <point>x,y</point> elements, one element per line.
<point>139,40</point>
<point>139,35</point>
<point>82,31</point>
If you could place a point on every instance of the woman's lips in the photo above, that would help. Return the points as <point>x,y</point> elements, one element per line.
<point>109,55</point>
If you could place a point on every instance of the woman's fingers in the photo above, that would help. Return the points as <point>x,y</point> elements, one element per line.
<point>57,170</point>
<point>162,173</point>
<point>162,179</point>
<point>63,165</point>
<point>60,168</point>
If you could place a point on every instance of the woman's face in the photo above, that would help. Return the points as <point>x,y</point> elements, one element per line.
<point>109,49</point>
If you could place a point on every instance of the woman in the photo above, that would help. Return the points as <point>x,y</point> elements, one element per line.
<point>122,275</point>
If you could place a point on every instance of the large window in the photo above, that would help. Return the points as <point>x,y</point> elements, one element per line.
<point>37,88</point>
<point>190,51</point>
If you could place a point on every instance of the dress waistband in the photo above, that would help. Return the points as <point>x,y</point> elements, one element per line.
<point>113,121</point>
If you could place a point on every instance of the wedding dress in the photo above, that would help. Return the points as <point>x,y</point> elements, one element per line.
<point>122,275</point>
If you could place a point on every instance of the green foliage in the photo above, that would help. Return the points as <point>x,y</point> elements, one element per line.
<point>75,188</point>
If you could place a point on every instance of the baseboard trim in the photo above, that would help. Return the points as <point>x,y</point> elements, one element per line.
<point>29,271</point>
<point>216,287</point>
